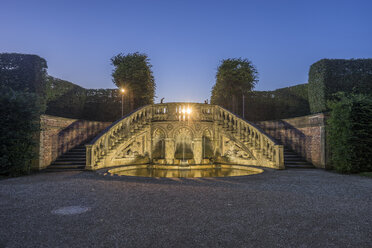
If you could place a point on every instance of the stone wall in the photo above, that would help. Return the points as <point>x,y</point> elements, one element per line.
<point>305,135</point>
<point>58,135</point>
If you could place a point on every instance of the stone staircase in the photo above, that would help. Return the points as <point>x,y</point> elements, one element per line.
<point>293,160</point>
<point>74,159</point>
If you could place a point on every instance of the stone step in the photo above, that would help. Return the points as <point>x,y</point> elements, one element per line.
<point>296,162</point>
<point>291,155</point>
<point>68,162</point>
<point>297,158</point>
<point>72,156</point>
<point>64,168</point>
<point>304,166</point>
<point>69,158</point>
<point>75,151</point>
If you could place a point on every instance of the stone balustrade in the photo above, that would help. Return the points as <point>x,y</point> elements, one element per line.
<point>246,136</point>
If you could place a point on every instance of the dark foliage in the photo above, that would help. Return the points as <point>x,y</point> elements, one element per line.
<point>23,72</point>
<point>133,73</point>
<point>278,104</point>
<point>65,99</point>
<point>104,105</point>
<point>329,76</point>
<point>19,123</point>
<point>69,100</point>
<point>234,78</point>
<point>350,133</point>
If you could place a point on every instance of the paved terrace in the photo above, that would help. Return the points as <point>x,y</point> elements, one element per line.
<point>289,208</point>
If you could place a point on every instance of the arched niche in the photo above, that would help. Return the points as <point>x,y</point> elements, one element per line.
<point>207,145</point>
<point>158,144</point>
<point>183,139</point>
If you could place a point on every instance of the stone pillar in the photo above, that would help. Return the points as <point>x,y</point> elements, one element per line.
<point>279,160</point>
<point>198,150</point>
<point>216,138</point>
<point>169,151</point>
<point>89,157</point>
<point>148,146</point>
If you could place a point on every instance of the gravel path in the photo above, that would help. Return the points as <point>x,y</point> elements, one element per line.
<point>290,208</point>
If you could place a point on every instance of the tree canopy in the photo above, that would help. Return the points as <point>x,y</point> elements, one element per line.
<point>133,73</point>
<point>234,78</point>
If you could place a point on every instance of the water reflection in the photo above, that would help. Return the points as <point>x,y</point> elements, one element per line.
<point>213,171</point>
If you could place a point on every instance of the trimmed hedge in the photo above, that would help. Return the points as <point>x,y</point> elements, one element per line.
<point>350,133</point>
<point>329,76</point>
<point>64,98</point>
<point>19,124</point>
<point>69,100</point>
<point>27,73</point>
<point>278,104</point>
<point>23,72</point>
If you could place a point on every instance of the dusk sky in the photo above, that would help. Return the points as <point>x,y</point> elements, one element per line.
<point>186,40</point>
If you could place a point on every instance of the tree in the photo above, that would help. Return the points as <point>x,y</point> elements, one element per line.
<point>234,78</point>
<point>133,73</point>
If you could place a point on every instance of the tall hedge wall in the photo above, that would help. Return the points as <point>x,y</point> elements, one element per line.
<point>19,123</point>
<point>278,104</point>
<point>350,133</point>
<point>23,72</point>
<point>69,100</point>
<point>329,76</point>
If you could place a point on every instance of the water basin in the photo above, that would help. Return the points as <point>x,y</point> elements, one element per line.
<point>185,171</point>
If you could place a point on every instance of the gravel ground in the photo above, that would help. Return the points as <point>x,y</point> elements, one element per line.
<point>290,208</point>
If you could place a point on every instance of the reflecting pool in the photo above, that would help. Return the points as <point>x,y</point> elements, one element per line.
<point>185,172</point>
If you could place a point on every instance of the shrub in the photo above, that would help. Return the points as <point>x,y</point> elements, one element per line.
<point>350,133</point>
<point>19,124</point>
<point>329,76</point>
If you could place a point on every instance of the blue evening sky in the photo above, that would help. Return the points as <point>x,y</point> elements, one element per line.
<point>186,40</point>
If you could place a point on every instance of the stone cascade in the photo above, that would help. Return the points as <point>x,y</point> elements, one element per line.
<point>152,134</point>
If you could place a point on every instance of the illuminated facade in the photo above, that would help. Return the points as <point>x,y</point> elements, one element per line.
<point>183,134</point>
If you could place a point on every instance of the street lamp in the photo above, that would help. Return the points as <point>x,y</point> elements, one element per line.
<point>122,90</point>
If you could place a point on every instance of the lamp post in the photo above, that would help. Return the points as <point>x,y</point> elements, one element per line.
<point>243,105</point>
<point>122,90</point>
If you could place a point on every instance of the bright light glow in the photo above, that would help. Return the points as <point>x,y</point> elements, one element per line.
<point>122,90</point>
<point>188,110</point>
<point>183,111</point>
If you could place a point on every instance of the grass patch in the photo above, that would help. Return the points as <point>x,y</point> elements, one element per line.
<point>366,174</point>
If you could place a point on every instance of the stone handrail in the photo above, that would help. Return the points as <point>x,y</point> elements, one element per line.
<point>112,135</point>
<point>253,136</point>
<point>247,133</point>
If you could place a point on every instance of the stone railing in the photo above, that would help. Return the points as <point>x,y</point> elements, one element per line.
<point>265,148</point>
<point>117,132</point>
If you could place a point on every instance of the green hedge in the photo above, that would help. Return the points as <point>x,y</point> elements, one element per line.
<point>350,133</point>
<point>329,76</point>
<point>64,98</point>
<point>27,73</point>
<point>23,72</point>
<point>278,104</point>
<point>69,100</point>
<point>19,123</point>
